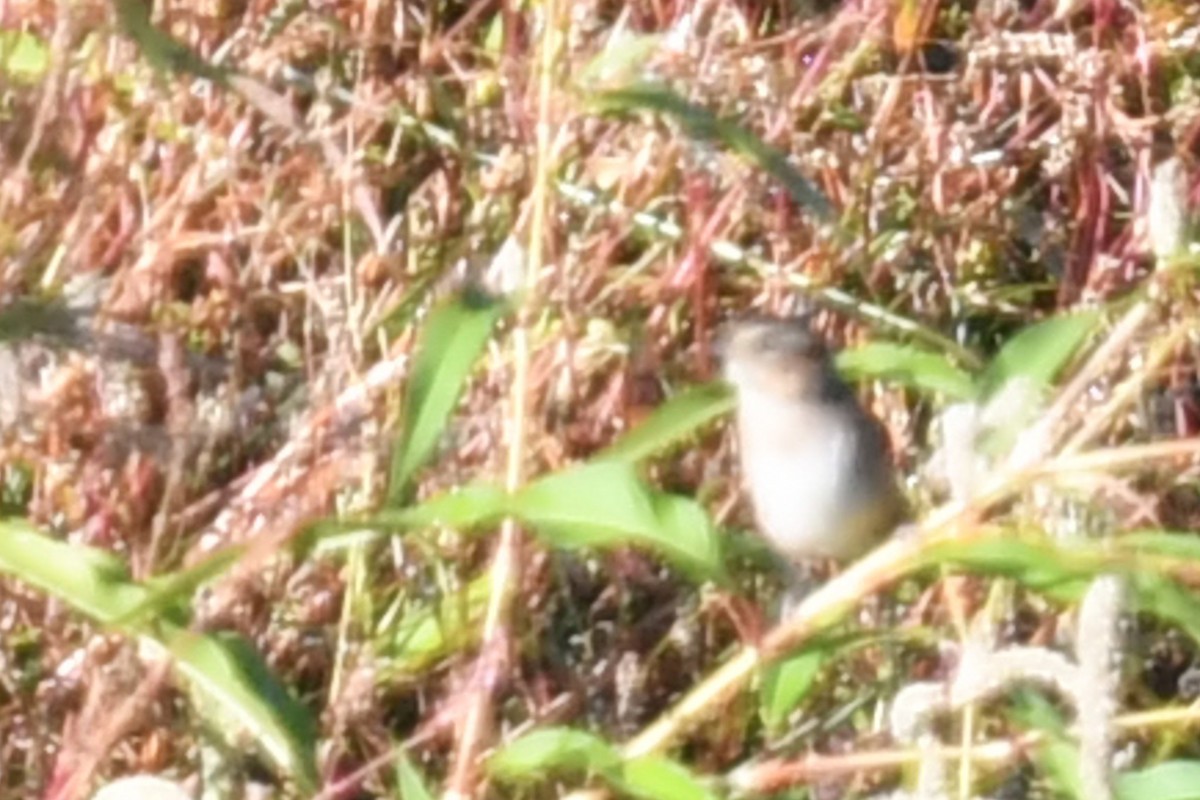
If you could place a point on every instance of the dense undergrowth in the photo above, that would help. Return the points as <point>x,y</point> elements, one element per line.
<point>360,435</point>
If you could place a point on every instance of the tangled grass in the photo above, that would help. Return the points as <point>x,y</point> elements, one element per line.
<point>351,444</point>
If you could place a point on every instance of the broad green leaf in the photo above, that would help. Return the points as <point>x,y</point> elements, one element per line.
<point>24,58</point>
<point>1170,780</point>
<point>674,420</point>
<point>917,369</point>
<point>605,504</point>
<point>700,123</point>
<point>233,683</point>
<point>553,749</point>
<point>658,778</point>
<point>450,344</point>
<point>787,682</point>
<point>409,780</point>
<point>230,676</point>
<point>1038,353</point>
<point>91,580</point>
<point>1065,573</point>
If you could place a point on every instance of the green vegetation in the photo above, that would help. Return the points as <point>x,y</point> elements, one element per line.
<point>359,429</point>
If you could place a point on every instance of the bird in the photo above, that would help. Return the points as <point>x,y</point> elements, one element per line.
<point>816,465</point>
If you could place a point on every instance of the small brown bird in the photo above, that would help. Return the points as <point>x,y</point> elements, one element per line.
<point>815,463</point>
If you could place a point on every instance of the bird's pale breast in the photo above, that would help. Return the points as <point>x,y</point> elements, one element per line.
<point>816,481</point>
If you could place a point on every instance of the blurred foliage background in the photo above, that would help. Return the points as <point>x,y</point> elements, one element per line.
<point>359,434</point>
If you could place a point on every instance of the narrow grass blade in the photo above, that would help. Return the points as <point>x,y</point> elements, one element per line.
<point>605,504</point>
<point>1041,566</point>
<point>450,344</point>
<point>161,49</point>
<point>1180,545</point>
<point>175,590</point>
<point>472,506</point>
<point>673,421</point>
<point>908,366</point>
<point>700,123</point>
<point>468,507</point>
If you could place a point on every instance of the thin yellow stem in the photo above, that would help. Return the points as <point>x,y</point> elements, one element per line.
<point>494,662</point>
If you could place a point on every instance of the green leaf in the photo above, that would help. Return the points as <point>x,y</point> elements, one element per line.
<point>233,683</point>
<point>176,589</point>
<point>658,778</point>
<point>26,318</point>
<point>1164,598</point>
<point>604,504</point>
<point>623,56</point>
<point>700,123</point>
<point>1182,545</point>
<point>400,315</point>
<point>409,781</point>
<point>1038,564</point>
<point>231,678</point>
<point>428,633</point>
<point>460,509</point>
<point>787,682</point>
<point>553,749</point>
<point>450,344</point>
<point>1065,573</point>
<point>161,49</point>
<point>24,58</point>
<point>674,420</point>
<point>1039,352</point>
<point>472,506</point>
<point>1059,759</point>
<point>1170,780</point>
<point>1057,756</point>
<point>93,581</point>
<point>917,369</point>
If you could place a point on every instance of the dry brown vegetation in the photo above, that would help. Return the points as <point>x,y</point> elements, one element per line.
<point>212,284</point>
